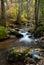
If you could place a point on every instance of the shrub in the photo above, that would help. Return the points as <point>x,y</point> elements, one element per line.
<point>39,31</point>
<point>3,32</point>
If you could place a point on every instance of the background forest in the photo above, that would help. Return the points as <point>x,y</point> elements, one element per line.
<point>23,12</point>
<point>24,9</point>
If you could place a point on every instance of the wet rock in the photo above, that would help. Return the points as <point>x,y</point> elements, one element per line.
<point>41,42</point>
<point>15,33</point>
<point>29,61</point>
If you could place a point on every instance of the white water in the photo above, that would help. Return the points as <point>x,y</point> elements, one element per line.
<point>25,39</point>
<point>24,32</point>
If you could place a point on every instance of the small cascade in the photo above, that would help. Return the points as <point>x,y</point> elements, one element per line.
<point>26,39</point>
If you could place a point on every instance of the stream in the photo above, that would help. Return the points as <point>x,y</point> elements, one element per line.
<point>26,40</point>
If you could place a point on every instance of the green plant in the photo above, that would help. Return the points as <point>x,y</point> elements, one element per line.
<point>3,32</point>
<point>17,53</point>
<point>39,31</point>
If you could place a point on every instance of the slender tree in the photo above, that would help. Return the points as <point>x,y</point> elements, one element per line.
<point>2,13</point>
<point>11,1</point>
<point>27,9</point>
<point>18,21</point>
<point>7,4</point>
<point>36,12</point>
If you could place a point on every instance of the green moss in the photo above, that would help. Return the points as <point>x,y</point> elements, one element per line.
<point>16,33</point>
<point>17,53</point>
<point>3,32</point>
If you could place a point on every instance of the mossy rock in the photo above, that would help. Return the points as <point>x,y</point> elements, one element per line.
<point>17,53</point>
<point>16,33</point>
<point>3,32</point>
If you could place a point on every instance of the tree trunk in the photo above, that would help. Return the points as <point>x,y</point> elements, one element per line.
<point>27,9</point>
<point>2,14</point>
<point>11,1</point>
<point>36,12</point>
<point>18,21</point>
<point>7,4</point>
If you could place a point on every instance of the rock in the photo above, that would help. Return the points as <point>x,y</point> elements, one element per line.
<point>17,54</point>
<point>15,33</point>
<point>12,36</point>
<point>41,42</point>
<point>29,60</point>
